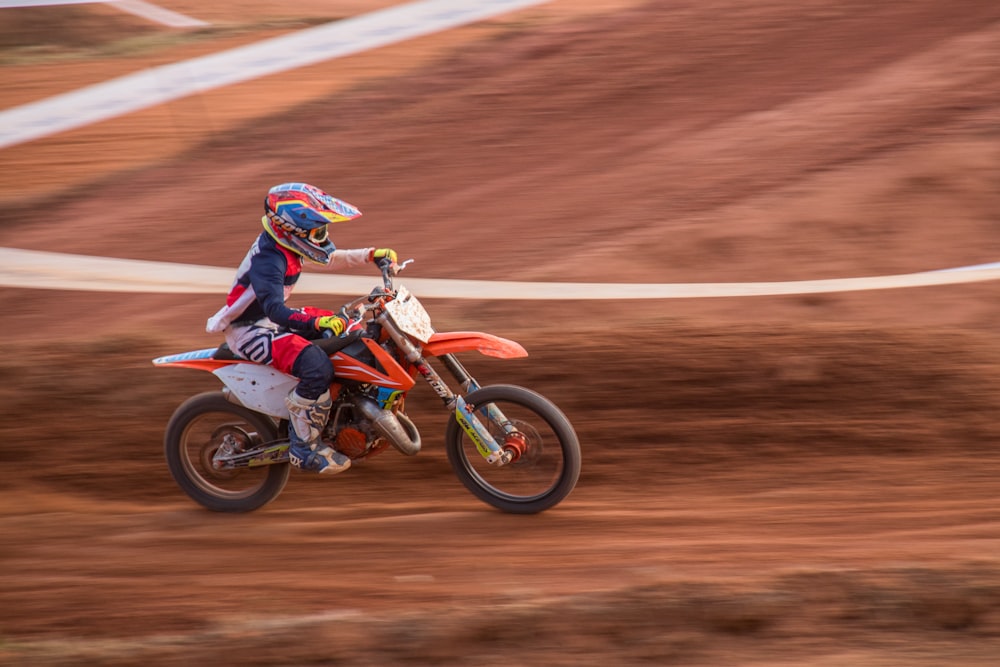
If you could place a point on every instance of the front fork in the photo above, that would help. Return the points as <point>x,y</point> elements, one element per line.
<point>494,452</point>
<point>514,442</point>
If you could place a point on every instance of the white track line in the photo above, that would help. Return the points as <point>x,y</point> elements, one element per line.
<point>162,84</point>
<point>157,14</point>
<point>46,270</point>
<point>11,4</point>
<point>137,7</point>
<point>41,270</point>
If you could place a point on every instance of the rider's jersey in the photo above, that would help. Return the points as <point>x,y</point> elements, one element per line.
<point>265,279</point>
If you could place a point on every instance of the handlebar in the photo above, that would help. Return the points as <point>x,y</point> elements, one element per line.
<point>390,269</point>
<point>356,309</point>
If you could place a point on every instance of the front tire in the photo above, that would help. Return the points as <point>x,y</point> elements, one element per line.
<point>542,476</point>
<point>197,429</point>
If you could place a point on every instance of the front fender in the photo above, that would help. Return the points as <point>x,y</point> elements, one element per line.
<point>464,341</point>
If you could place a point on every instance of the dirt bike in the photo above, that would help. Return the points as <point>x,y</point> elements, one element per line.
<point>510,446</point>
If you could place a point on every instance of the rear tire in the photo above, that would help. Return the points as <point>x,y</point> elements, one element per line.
<point>196,430</point>
<point>544,474</point>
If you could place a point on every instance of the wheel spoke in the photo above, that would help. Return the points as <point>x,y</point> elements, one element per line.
<point>205,433</point>
<point>546,454</point>
<point>224,436</point>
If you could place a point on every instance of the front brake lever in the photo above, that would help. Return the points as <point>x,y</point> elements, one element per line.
<point>388,272</point>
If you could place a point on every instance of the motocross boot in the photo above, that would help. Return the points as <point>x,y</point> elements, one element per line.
<point>306,419</point>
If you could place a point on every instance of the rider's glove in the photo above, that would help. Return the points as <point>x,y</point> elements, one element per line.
<point>334,323</point>
<point>381,254</point>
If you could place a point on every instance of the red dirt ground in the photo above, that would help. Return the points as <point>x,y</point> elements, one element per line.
<point>767,481</point>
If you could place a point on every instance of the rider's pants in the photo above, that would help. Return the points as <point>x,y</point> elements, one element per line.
<point>266,343</point>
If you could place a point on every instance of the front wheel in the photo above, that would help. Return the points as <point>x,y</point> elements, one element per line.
<point>198,429</point>
<point>548,462</point>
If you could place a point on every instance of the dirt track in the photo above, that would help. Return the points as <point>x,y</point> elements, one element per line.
<point>793,481</point>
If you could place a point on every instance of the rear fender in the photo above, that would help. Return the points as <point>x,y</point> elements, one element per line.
<point>465,341</point>
<point>201,360</point>
<point>258,387</point>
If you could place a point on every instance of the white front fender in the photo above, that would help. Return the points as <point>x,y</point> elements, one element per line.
<point>258,387</point>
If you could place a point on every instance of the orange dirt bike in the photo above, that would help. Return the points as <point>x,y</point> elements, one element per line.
<point>511,447</point>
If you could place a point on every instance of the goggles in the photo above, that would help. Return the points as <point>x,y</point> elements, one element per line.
<point>319,235</point>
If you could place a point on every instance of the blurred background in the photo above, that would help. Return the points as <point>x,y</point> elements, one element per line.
<point>801,480</point>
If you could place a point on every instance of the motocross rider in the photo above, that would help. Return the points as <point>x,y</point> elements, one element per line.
<point>259,326</point>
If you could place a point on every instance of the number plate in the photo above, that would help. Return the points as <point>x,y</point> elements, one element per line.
<point>410,315</point>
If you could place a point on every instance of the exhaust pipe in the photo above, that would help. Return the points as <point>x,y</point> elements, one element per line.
<point>397,429</point>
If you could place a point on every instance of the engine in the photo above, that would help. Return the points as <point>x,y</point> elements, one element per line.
<point>363,422</point>
<point>350,431</point>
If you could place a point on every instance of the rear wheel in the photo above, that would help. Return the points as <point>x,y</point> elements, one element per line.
<point>198,429</point>
<point>547,463</point>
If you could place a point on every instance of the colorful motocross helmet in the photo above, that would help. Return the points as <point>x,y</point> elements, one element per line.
<point>297,215</point>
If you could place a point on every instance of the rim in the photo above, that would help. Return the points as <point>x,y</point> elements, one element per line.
<point>535,473</point>
<point>203,437</point>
